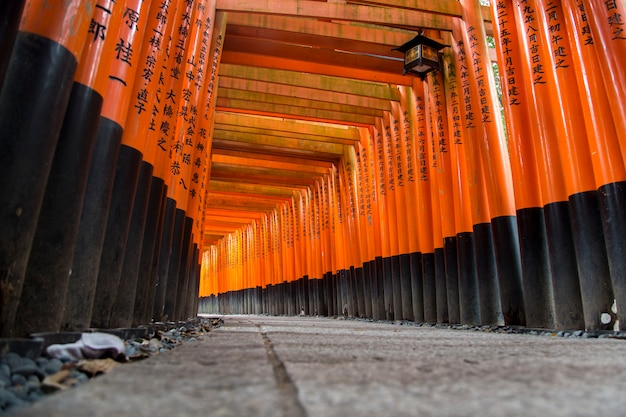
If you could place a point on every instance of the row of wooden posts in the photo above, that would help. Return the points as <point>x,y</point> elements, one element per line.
<point>106,110</point>
<point>436,215</point>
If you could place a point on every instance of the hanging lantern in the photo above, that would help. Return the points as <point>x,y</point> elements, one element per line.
<point>421,55</point>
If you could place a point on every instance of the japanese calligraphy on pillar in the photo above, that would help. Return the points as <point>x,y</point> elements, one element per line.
<point>556,28</point>
<point>408,146</point>
<point>615,19</point>
<point>585,28</point>
<point>481,78</point>
<point>506,43</point>
<point>391,182</point>
<point>529,16</point>
<point>360,183</point>
<point>397,144</point>
<point>420,118</point>
<point>439,114</point>
<point>455,106</point>
<point>465,84</point>
<point>380,152</point>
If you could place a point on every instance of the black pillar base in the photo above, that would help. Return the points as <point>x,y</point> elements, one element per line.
<point>452,279</point>
<point>508,263</point>
<point>593,265</point>
<point>538,296</point>
<point>486,271</point>
<point>469,305</point>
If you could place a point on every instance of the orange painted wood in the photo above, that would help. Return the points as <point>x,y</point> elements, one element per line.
<point>143,109</point>
<point>340,84</point>
<point>271,62</point>
<point>424,207</point>
<point>323,96</point>
<point>306,103</point>
<point>535,79</point>
<point>338,11</point>
<point>433,163</point>
<point>493,148</point>
<point>607,156</point>
<point>94,64</point>
<point>64,22</point>
<point>382,192</point>
<point>124,64</point>
<point>461,174</point>
<point>516,100</point>
<point>606,23</point>
<point>406,112</point>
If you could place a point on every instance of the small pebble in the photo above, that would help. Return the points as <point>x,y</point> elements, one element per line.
<point>18,379</point>
<point>53,366</point>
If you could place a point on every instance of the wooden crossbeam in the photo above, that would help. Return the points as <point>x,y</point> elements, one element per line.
<point>296,112</point>
<point>275,99</point>
<point>388,16</point>
<point>377,90</point>
<point>297,92</point>
<point>303,144</point>
<point>330,35</point>
<point>272,124</point>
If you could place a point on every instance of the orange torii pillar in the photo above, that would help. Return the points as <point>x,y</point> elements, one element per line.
<point>193,96</point>
<point>576,213</point>
<point>410,165</point>
<point>463,194</point>
<point>469,132</point>
<point>383,264</point>
<point>371,224</point>
<point>123,72</point>
<point>529,196</point>
<point>424,207</point>
<point>365,235</point>
<point>405,233</point>
<point>45,53</point>
<point>179,111</point>
<point>146,93</point>
<point>208,56</point>
<point>437,186</point>
<point>139,122</point>
<point>43,297</point>
<point>393,261</point>
<point>606,49</point>
<point>496,166</point>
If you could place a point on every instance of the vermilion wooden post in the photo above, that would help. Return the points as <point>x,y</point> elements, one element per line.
<point>43,300</point>
<point>408,148</point>
<point>538,290</point>
<point>606,26</point>
<point>432,153</point>
<point>443,169</point>
<point>140,119</point>
<point>363,258</point>
<point>568,136</point>
<point>495,166</point>
<point>595,280</point>
<point>402,209</point>
<point>373,223</point>
<point>386,239</point>
<point>45,53</point>
<point>597,63</point>
<point>567,298</point>
<point>424,207</point>
<point>121,80</point>
<point>469,306</point>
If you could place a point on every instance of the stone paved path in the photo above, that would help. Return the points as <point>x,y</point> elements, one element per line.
<point>320,367</point>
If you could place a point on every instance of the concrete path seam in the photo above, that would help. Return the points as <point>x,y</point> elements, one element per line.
<point>288,391</point>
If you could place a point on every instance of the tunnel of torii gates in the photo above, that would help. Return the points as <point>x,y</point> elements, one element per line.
<point>161,158</point>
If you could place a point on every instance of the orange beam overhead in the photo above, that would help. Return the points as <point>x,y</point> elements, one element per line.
<point>349,12</point>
